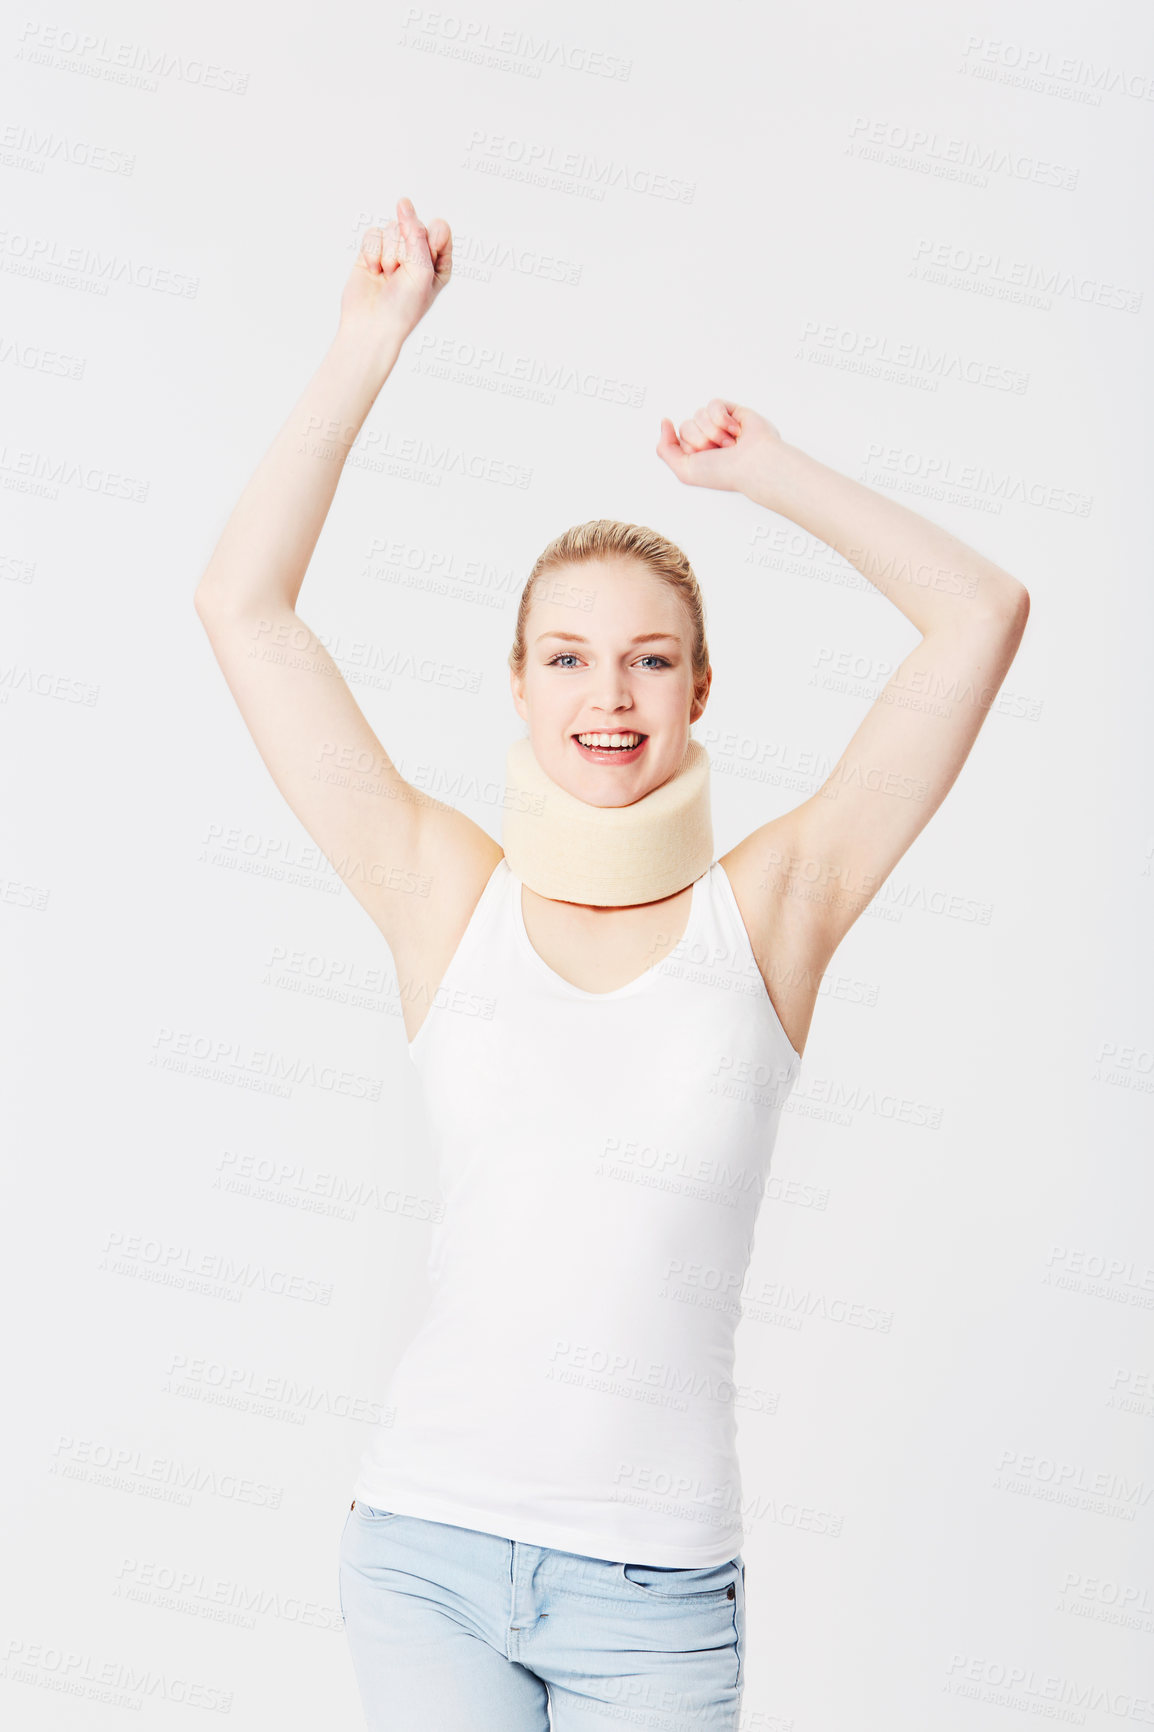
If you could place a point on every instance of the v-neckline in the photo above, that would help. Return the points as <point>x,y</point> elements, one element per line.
<point>633,985</point>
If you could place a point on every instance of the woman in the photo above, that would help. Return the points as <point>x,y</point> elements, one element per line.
<point>606,1021</point>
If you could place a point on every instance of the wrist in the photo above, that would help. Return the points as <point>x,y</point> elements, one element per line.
<point>367,349</point>
<point>773,477</point>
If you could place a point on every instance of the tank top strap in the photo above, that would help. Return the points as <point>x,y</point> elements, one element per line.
<point>723,917</point>
<point>490,911</point>
<point>487,925</point>
<point>734,954</point>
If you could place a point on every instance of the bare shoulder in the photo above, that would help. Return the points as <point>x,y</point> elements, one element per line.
<point>424,920</point>
<point>777,910</point>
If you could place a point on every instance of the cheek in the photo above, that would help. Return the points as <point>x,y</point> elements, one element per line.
<point>676,699</point>
<point>547,702</point>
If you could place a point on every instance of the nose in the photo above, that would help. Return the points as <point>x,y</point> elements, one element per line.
<point>612,694</point>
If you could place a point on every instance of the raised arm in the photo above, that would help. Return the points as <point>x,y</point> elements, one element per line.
<point>373,825</point>
<point>908,750</point>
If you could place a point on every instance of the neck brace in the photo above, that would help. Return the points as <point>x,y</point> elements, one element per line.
<point>606,856</point>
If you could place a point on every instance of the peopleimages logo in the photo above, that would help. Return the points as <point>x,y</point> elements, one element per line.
<point>878,354</point>
<point>986,56</point>
<point>138,64</point>
<point>569,170</point>
<point>508,49</point>
<point>994,486</point>
<point>943,153</point>
<point>1006,278</point>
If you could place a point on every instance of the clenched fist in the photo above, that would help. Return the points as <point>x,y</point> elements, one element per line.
<point>399,272</point>
<point>723,446</point>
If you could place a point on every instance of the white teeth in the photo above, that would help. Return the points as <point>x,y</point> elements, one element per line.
<point>622,742</point>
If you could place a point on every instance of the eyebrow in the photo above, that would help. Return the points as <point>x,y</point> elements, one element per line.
<point>642,637</point>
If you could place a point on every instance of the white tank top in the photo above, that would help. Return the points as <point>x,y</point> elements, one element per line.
<point>602,1157</point>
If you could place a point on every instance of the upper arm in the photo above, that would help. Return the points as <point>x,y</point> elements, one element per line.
<point>381,834</point>
<point>826,859</point>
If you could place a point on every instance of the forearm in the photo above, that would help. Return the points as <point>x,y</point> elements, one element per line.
<point>935,579</point>
<point>262,556</point>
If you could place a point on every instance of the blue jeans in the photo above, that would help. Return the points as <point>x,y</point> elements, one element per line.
<point>454,1630</point>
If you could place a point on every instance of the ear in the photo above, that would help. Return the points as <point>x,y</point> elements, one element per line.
<point>698,707</point>
<point>517,688</point>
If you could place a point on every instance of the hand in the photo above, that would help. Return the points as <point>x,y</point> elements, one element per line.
<point>723,446</point>
<point>399,272</point>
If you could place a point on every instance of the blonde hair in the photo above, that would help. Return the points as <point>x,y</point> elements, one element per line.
<point>606,538</point>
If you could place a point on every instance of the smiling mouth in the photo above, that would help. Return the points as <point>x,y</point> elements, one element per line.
<point>607,744</point>
<point>613,739</point>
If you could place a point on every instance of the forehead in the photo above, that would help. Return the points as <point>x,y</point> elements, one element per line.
<point>594,599</point>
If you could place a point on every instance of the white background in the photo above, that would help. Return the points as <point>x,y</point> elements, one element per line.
<point>947,1359</point>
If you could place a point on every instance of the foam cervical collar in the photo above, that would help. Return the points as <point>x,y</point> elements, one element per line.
<point>607,856</point>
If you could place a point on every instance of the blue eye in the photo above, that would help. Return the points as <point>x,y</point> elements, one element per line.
<point>571,656</point>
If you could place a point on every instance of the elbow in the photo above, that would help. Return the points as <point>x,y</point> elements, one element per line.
<point>1011,609</point>
<point>210,610</point>
<point>208,600</point>
<point>1019,608</point>
<point>1012,618</point>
